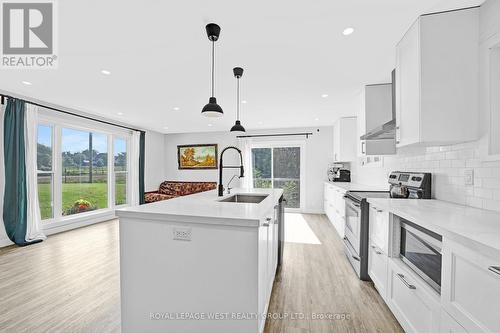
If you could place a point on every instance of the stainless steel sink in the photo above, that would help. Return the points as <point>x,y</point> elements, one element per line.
<point>245,198</point>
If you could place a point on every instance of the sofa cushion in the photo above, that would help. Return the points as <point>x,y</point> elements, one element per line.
<point>185,188</point>
<point>155,196</point>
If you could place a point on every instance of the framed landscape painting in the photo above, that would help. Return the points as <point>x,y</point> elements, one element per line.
<point>193,157</point>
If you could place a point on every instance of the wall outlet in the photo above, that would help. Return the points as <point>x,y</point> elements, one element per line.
<point>182,234</point>
<point>469,176</point>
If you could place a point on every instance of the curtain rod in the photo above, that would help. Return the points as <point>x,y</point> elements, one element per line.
<point>271,135</point>
<point>70,113</point>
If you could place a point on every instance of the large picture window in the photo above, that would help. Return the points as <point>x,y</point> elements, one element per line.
<point>45,172</point>
<point>84,171</point>
<point>120,166</point>
<point>82,168</point>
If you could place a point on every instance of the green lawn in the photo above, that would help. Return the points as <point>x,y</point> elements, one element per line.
<point>95,193</point>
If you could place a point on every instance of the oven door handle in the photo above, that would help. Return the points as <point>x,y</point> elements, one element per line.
<point>350,202</point>
<point>403,279</point>
<point>355,257</point>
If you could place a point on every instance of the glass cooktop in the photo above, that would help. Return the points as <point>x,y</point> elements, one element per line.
<point>360,195</point>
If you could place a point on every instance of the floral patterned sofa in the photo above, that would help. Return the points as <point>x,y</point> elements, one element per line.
<point>171,189</point>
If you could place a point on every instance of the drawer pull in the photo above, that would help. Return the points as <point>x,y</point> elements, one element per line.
<point>494,269</point>
<point>402,278</point>
<point>377,210</point>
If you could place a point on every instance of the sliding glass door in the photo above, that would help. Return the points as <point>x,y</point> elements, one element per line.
<point>280,166</point>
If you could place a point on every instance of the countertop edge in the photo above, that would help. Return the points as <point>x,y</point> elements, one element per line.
<point>384,204</point>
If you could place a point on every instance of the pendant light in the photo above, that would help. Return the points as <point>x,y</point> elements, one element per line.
<point>238,73</point>
<point>212,109</point>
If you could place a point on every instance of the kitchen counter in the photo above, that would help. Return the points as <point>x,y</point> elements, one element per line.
<point>476,228</point>
<point>348,186</point>
<point>206,208</point>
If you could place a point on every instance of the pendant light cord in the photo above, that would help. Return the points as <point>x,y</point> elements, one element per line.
<point>213,65</point>
<point>238,99</point>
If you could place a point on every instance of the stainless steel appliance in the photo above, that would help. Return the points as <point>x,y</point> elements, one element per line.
<point>420,249</point>
<point>410,185</point>
<point>337,173</point>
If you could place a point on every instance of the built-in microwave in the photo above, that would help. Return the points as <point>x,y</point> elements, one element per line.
<point>420,249</point>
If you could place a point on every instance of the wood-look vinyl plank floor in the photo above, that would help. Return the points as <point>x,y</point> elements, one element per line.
<point>70,283</point>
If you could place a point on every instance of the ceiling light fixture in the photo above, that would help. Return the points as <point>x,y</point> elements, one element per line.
<point>238,73</point>
<point>176,108</point>
<point>324,95</point>
<point>212,109</point>
<point>209,125</point>
<point>243,102</point>
<point>27,83</point>
<point>105,72</point>
<point>347,31</point>
<point>120,113</point>
<point>316,119</point>
<point>165,127</point>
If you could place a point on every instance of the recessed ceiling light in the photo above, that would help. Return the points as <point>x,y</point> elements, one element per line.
<point>347,31</point>
<point>105,72</point>
<point>165,127</point>
<point>209,125</point>
<point>316,119</point>
<point>176,108</point>
<point>27,83</point>
<point>243,102</point>
<point>260,123</point>
<point>120,113</point>
<point>324,95</point>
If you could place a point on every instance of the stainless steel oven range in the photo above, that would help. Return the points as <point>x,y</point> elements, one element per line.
<point>404,185</point>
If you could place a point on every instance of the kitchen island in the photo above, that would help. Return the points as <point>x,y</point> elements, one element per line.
<point>200,263</point>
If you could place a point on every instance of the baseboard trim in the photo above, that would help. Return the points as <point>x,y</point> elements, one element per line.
<point>51,230</point>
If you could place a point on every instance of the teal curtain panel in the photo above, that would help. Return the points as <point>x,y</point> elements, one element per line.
<point>15,193</point>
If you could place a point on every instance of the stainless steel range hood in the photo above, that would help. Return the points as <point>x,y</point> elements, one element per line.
<point>386,131</point>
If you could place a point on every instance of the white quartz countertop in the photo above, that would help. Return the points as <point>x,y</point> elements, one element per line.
<point>348,186</point>
<point>206,208</point>
<point>470,226</point>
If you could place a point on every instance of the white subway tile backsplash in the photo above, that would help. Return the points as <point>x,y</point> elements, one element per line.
<point>447,164</point>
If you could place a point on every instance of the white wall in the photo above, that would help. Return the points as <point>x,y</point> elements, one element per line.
<point>154,170</point>
<point>448,163</point>
<point>318,153</point>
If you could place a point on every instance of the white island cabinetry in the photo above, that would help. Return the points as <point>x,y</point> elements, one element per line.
<point>195,264</point>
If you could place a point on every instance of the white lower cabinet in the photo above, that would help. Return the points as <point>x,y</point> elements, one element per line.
<point>334,206</point>
<point>449,324</point>
<point>415,305</point>
<point>377,268</point>
<point>471,287</point>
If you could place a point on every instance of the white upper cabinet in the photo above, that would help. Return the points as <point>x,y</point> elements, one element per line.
<point>437,66</point>
<point>344,140</point>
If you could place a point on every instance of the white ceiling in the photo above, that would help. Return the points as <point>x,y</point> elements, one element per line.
<point>159,58</point>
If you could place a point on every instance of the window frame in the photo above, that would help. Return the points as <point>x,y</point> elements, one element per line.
<point>127,172</point>
<point>286,144</point>
<point>58,122</point>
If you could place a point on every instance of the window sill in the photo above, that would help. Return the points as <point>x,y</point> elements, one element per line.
<point>76,221</point>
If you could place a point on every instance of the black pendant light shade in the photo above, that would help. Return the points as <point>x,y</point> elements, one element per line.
<point>238,73</point>
<point>237,127</point>
<point>212,109</point>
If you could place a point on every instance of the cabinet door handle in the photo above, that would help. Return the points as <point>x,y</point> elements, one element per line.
<point>265,224</point>
<point>494,269</point>
<point>402,278</point>
<point>377,251</point>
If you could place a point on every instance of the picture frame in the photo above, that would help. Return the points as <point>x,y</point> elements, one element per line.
<point>197,157</point>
